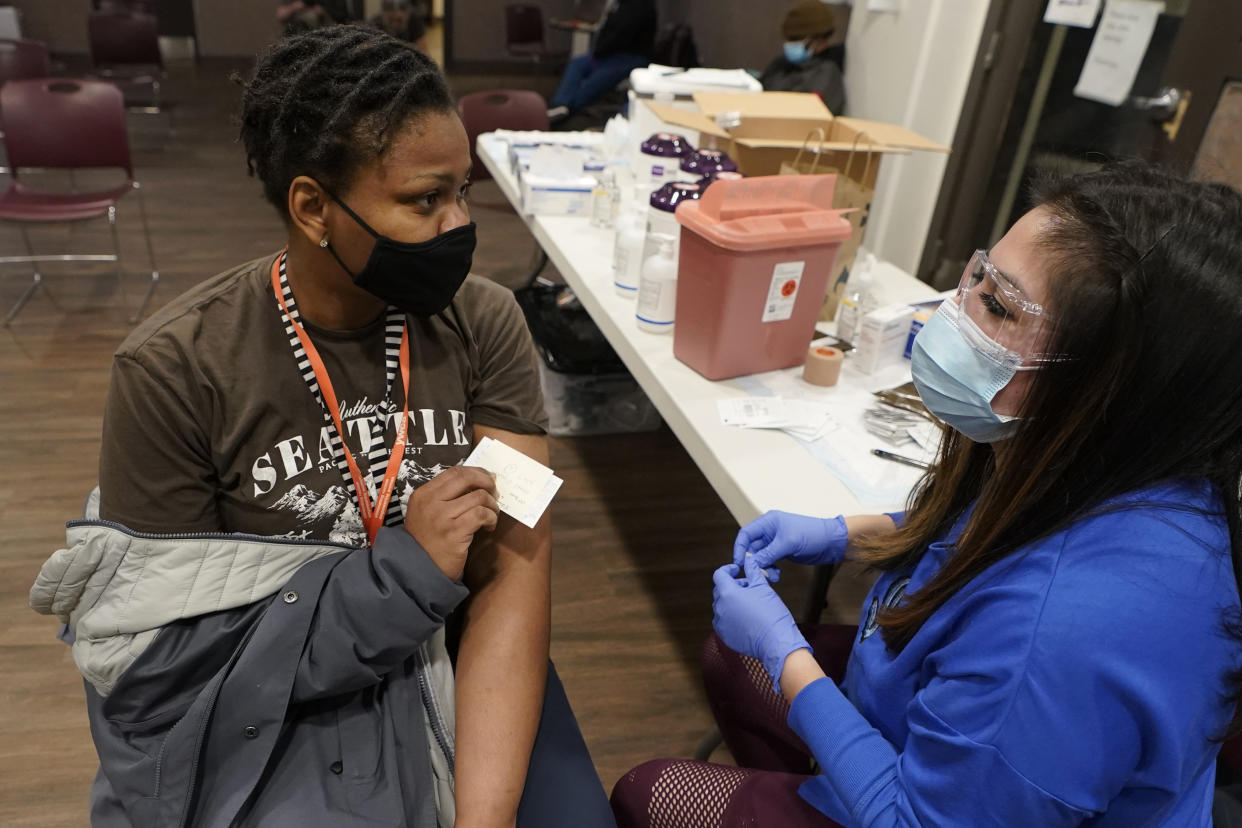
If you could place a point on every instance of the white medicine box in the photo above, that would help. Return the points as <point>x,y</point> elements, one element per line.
<point>881,337</point>
<point>545,196</point>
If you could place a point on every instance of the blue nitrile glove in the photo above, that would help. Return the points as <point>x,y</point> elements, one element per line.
<point>775,536</point>
<point>752,619</point>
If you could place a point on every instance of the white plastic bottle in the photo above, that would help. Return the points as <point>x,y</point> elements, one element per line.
<point>627,255</point>
<point>858,301</point>
<point>657,292</point>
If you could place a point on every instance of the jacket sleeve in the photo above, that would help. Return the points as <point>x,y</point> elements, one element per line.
<point>828,83</point>
<point>376,607</point>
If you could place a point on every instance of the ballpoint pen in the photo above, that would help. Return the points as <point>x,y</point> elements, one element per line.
<point>898,458</point>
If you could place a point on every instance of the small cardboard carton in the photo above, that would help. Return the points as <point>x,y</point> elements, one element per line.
<point>761,131</point>
<point>764,133</point>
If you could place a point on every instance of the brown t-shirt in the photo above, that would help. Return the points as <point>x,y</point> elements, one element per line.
<point>209,425</point>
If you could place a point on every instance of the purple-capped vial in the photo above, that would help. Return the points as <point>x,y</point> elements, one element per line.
<point>667,145</point>
<point>673,193</point>
<point>707,162</point>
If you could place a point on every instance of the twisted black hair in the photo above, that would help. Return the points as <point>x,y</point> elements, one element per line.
<point>324,102</point>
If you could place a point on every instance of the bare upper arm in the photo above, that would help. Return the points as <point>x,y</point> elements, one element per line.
<point>512,545</point>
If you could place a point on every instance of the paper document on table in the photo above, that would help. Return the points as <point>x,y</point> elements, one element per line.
<point>752,412</point>
<point>807,419</point>
<point>524,487</point>
<point>845,449</point>
<point>1117,51</point>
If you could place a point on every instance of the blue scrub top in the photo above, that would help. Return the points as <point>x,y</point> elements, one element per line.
<point>1079,681</point>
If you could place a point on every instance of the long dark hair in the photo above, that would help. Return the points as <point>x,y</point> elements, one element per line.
<point>325,102</point>
<point>1145,275</point>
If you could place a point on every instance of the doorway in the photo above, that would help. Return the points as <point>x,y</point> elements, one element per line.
<point>1022,118</point>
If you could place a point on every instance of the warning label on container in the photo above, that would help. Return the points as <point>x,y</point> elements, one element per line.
<point>783,291</point>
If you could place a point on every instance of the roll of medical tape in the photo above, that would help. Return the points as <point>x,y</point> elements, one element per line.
<point>823,366</point>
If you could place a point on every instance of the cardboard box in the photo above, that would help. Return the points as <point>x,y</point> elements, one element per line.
<point>761,131</point>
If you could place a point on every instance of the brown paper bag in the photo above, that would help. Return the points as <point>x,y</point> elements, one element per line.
<point>854,190</point>
<point>800,167</point>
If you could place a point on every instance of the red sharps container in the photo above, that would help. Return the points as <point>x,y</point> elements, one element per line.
<point>756,254</point>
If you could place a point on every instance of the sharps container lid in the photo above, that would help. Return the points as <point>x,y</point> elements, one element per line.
<point>723,175</point>
<point>766,212</point>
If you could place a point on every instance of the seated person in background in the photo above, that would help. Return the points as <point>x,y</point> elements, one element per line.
<point>622,45</point>
<point>398,18</point>
<point>808,64</point>
<point>298,16</point>
<point>1053,639</point>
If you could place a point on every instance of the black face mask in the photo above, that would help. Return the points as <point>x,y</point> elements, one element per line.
<point>419,278</point>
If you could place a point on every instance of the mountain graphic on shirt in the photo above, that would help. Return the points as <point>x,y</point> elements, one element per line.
<point>331,504</point>
<point>415,475</point>
<point>299,499</point>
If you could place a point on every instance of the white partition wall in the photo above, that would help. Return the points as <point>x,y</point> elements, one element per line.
<point>911,67</point>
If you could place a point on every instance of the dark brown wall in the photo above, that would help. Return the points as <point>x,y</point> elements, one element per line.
<point>61,24</point>
<point>225,27</point>
<point>478,31</point>
<point>728,33</point>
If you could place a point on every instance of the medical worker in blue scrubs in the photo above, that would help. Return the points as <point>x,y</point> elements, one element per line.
<point>1054,635</point>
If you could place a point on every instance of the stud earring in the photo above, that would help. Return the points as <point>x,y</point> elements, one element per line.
<point>323,242</point>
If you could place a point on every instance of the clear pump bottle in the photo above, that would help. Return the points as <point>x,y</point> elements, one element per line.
<point>858,301</point>
<point>657,292</point>
<point>627,255</point>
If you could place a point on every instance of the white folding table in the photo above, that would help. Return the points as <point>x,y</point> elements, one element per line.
<point>752,470</point>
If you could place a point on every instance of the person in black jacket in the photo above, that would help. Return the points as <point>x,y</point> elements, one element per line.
<point>622,44</point>
<point>807,62</point>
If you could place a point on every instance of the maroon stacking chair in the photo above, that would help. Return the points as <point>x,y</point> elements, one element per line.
<point>524,35</point>
<point>500,109</point>
<point>125,49</point>
<point>53,123</point>
<point>20,59</point>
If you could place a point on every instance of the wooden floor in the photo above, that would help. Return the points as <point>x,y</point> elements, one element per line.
<point>637,529</point>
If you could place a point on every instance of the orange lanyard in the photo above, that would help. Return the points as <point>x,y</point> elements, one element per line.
<point>372,513</point>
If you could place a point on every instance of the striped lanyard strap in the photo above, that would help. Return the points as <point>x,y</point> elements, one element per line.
<point>382,510</point>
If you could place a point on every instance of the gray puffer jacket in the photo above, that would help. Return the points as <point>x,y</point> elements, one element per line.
<point>237,680</point>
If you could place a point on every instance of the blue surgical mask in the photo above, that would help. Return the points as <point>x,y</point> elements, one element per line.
<point>957,379</point>
<point>796,52</point>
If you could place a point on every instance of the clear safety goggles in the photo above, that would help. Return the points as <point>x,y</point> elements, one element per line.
<point>999,320</point>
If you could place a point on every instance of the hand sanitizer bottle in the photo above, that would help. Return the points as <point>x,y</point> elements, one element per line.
<point>657,292</point>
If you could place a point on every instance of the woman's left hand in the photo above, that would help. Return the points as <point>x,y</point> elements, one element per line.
<point>751,618</point>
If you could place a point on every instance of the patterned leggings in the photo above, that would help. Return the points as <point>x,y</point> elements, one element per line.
<point>773,761</point>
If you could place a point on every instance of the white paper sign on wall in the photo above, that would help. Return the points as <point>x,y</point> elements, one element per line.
<point>1072,12</point>
<point>1117,50</point>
